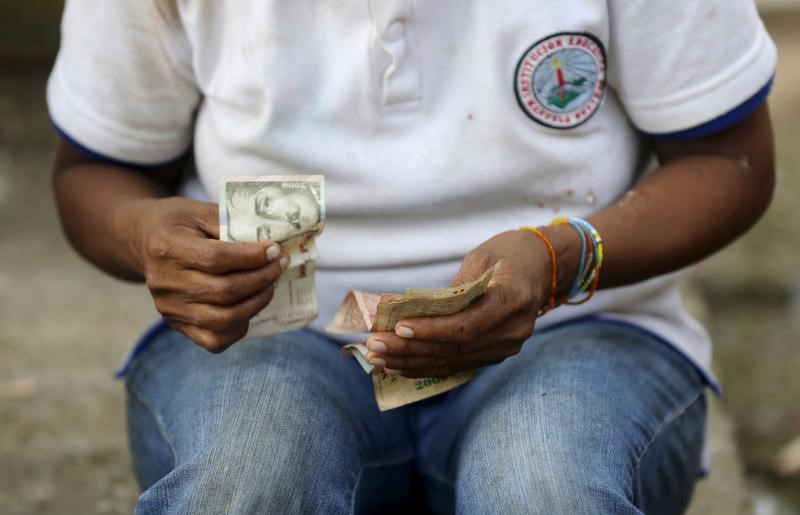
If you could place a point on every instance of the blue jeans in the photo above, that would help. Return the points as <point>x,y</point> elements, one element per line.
<point>591,417</point>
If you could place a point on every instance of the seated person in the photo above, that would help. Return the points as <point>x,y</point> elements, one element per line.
<point>442,129</point>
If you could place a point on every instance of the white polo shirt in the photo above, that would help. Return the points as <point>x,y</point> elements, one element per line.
<point>436,124</point>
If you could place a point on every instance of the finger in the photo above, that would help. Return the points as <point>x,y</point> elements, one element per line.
<point>480,318</point>
<point>232,288</point>
<point>209,340</point>
<point>390,344</point>
<point>415,367</point>
<point>225,289</point>
<point>206,215</point>
<point>218,319</point>
<point>220,257</point>
<point>471,269</point>
<point>227,318</point>
<point>406,363</point>
<point>516,329</point>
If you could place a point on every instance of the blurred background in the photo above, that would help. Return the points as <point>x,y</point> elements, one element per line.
<point>64,326</point>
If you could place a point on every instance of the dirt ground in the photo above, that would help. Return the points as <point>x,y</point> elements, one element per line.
<point>64,327</point>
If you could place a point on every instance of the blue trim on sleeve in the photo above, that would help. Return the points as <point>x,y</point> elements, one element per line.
<point>95,156</point>
<point>725,121</point>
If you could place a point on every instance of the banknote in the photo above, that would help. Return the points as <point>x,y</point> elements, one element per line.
<point>293,305</point>
<point>356,314</point>
<point>430,302</point>
<point>393,391</point>
<point>275,208</point>
<point>286,209</point>
<point>362,312</point>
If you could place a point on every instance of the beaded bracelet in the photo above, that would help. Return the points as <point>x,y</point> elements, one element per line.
<point>598,241</point>
<point>583,269</point>
<point>597,248</point>
<point>588,276</point>
<point>551,301</point>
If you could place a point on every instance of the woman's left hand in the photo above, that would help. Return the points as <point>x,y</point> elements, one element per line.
<point>486,333</point>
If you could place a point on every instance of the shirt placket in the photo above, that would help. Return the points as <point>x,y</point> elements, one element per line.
<point>397,70</point>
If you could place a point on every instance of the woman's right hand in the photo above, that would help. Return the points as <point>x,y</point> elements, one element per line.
<point>205,288</point>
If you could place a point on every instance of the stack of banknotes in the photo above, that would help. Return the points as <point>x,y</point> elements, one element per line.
<point>290,210</point>
<point>367,312</point>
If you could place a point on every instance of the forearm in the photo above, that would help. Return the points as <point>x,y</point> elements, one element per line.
<point>121,221</point>
<point>684,213</point>
<point>705,195</point>
<point>98,206</point>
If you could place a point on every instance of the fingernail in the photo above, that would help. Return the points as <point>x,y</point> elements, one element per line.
<point>273,252</point>
<point>378,362</point>
<point>403,331</point>
<point>284,263</point>
<point>377,346</point>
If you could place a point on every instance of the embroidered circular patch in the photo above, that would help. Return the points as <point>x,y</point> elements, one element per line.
<point>560,80</point>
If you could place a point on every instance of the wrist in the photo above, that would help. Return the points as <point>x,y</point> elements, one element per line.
<point>566,245</point>
<point>128,228</point>
<point>566,242</point>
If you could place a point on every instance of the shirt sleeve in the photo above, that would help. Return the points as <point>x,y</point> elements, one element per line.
<point>681,64</point>
<point>122,85</point>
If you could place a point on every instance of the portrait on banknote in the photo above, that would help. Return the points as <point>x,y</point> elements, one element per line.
<point>274,211</point>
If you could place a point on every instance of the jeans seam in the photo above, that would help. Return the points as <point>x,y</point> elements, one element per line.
<point>668,422</point>
<point>390,463</point>
<point>159,422</point>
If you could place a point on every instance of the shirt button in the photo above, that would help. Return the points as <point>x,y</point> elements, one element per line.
<point>396,31</point>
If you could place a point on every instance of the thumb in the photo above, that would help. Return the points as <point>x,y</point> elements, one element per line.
<point>206,215</point>
<point>472,268</point>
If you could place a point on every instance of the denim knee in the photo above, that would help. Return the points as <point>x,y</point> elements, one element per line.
<point>562,428</point>
<point>539,467</point>
<point>251,433</point>
<point>260,466</point>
